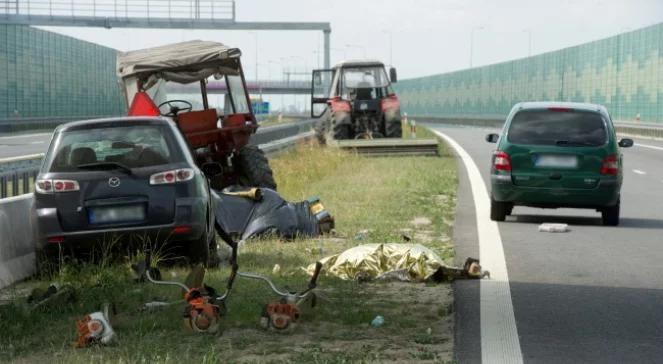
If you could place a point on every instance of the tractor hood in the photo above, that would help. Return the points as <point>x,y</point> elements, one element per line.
<point>180,62</point>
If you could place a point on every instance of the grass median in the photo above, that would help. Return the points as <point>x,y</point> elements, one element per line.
<point>374,200</point>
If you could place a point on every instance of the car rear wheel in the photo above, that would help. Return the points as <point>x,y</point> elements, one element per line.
<point>254,169</point>
<point>498,210</point>
<point>610,215</point>
<point>199,250</point>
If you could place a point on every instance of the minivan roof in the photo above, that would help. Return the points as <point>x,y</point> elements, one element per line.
<point>530,105</point>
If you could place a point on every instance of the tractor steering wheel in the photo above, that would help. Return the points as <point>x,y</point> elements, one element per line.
<point>174,109</point>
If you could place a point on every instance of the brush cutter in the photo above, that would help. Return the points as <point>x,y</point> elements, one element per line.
<point>204,307</point>
<point>283,314</point>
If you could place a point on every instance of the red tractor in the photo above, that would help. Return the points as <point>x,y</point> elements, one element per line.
<point>164,81</point>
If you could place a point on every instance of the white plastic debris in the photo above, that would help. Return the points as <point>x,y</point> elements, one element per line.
<point>553,228</point>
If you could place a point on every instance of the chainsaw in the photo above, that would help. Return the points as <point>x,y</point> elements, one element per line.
<point>282,315</point>
<point>205,307</point>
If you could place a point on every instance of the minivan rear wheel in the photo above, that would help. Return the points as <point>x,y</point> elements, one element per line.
<point>498,210</point>
<point>610,215</point>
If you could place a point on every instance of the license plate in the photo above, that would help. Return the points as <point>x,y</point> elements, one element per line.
<point>556,161</point>
<point>363,106</point>
<point>116,214</point>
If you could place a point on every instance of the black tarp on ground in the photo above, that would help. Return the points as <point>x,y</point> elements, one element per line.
<point>247,218</point>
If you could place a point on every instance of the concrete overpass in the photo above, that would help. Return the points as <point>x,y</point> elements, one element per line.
<point>254,87</point>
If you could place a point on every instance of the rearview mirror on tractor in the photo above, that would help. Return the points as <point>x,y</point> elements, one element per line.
<point>392,75</point>
<point>492,138</point>
<point>626,143</point>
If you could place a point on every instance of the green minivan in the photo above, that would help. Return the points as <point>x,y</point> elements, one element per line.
<point>557,154</point>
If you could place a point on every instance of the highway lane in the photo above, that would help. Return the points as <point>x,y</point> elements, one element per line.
<point>593,294</point>
<point>23,144</point>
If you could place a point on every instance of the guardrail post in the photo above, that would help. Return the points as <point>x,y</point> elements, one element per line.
<point>14,184</point>
<point>3,186</point>
<point>26,182</point>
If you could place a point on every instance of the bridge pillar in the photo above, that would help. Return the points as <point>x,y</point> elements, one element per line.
<point>327,33</point>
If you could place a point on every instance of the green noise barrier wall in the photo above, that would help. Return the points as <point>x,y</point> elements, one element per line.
<point>623,72</point>
<point>48,75</point>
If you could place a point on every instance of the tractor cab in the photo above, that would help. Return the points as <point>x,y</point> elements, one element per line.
<point>200,85</point>
<point>355,100</point>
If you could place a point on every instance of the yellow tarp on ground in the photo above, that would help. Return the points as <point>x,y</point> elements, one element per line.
<point>373,260</point>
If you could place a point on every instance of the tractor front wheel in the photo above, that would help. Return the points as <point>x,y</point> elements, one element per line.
<point>253,168</point>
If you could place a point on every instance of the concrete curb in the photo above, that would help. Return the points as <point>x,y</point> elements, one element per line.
<point>17,239</point>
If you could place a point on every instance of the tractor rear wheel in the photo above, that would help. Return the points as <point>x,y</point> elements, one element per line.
<point>393,128</point>
<point>254,169</point>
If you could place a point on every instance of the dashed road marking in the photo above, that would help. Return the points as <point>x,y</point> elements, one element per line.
<point>499,334</point>
<point>637,171</point>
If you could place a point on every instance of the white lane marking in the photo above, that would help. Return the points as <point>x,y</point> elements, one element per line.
<point>23,136</point>
<point>38,142</point>
<point>499,334</point>
<point>637,171</point>
<point>648,146</point>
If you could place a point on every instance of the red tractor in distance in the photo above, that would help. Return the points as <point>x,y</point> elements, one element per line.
<point>218,137</point>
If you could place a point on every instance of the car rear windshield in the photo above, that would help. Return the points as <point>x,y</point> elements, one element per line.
<point>558,127</point>
<point>132,146</point>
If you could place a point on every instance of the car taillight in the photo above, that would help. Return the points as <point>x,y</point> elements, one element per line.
<point>560,109</point>
<point>390,103</point>
<point>56,185</point>
<point>173,176</point>
<point>610,166</point>
<point>501,161</point>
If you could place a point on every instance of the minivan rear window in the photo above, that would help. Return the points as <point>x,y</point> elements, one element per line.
<point>558,127</point>
<point>131,146</point>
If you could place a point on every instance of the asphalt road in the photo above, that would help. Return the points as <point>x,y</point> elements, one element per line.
<point>593,294</point>
<point>23,144</point>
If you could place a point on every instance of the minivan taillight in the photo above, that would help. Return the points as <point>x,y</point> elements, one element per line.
<point>501,161</point>
<point>610,166</point>
<point>56,185</point>
<point>173,176</point>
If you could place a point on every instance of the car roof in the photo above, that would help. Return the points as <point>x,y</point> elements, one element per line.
<point>115,121</point>
<point>532,105</point>
<point>359,63</point>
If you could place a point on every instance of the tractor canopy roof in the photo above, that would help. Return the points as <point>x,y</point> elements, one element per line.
<point>180,62</point>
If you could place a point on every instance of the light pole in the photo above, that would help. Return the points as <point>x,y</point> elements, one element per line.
<point>391,46</point>
<point>345,54</point>
<point>472,44</point>
<point>529,41</point>
<point>256,43</point>
<point>357,46</point>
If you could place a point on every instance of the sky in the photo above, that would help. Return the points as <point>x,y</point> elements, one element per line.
<point>419,37</point>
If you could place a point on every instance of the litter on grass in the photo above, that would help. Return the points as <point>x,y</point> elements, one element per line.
<point>553,228</point>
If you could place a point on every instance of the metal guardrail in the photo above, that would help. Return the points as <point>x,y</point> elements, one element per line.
<point>221,10</point>
<point>652,130</point>
<point>17,174</point>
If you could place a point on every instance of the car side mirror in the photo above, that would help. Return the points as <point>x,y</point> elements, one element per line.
<point>626,143</point>
<point>492,138</point>
<point>392,75</point>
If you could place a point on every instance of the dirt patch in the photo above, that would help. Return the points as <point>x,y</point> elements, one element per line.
<point>421,221</point>
<point>418,328</point>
